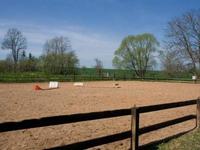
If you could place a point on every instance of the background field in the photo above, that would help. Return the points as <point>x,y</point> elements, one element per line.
<point>19,101</point>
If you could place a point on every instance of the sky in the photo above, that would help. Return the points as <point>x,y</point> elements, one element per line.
<point>94,27</point>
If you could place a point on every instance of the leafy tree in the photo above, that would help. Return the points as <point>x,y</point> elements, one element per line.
<point>22,61</point>
<point>23,56</point>
<point>27,63</point>
<point>16,42</point>
<point>136,53</point>
<point>7,64</point>
<point>58,57</point>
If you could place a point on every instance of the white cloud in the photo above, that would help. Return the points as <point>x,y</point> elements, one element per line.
<point>87,45</point>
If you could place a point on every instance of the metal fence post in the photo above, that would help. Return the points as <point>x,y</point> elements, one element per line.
<point>198,113</point>
<point>134,128</point>
<point>74,78</point>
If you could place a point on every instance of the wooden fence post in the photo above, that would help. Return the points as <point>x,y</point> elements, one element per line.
<point>134,128</point>
<point>198,113</point>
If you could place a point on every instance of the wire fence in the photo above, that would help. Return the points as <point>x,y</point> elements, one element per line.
<point>91,74</point>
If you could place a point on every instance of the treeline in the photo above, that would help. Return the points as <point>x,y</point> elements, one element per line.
<point>27,63</point>
<point>57,57</point>
<point>180,53</point>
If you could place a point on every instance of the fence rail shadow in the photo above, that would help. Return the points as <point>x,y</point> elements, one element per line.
<point>134,133</point>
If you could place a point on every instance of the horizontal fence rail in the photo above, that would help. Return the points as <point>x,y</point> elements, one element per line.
<point>133,134</point>
<point>158,107</point>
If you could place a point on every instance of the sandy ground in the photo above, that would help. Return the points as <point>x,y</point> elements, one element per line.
<point>20,101</point>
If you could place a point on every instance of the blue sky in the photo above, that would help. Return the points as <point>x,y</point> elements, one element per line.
<point>94,27</point>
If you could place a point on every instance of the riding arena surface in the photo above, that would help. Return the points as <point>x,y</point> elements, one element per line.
<point>19,101</point>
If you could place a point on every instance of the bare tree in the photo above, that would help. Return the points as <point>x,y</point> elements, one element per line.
<point>14,41</point>
<point>183,35</point>
<point>171,63</point>
<point>98,66</point>
<point>57,45</point>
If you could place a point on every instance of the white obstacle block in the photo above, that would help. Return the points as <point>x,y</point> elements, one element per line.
<point>53,84</point>
<point>78,84</point>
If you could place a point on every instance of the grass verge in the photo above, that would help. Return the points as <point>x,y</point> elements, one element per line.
<point>189,141</point>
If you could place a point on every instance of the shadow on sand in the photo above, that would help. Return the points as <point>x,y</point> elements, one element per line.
<point>155,145</point>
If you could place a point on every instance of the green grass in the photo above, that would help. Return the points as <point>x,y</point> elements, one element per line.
<point>190,141</point>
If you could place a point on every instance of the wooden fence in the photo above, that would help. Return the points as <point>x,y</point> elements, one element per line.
<point>134,133</point>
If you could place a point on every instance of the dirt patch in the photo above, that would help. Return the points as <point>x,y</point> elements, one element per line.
<point>20,101</point>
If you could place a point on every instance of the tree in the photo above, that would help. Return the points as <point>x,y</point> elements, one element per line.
<point>98,66</point>
<point>136,53</point>
<point>31,63</point>
<point>16,42</point>
<point>7,64</point>
<point>58,56</point>
<point>23,55</point>
<point>172,64</point>
<point>22,64</point>
<point>57,45</point>
<point>183,37</point>
<point>2,66</point>
<point>27,63</point>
